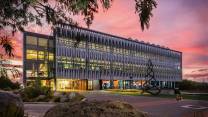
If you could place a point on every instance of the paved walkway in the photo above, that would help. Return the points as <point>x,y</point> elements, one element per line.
<point>156,107</point>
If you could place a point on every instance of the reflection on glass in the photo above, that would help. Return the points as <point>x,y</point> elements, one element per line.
<point>43,42</point>
<point>31,40</point>
<point>32,71</point>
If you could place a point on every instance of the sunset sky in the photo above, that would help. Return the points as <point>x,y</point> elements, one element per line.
<point>178,24</point>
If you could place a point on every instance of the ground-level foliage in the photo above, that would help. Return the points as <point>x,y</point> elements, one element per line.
<point>32,94</point>
<point>136,92</point>
<point>7,84</point>
<point>194,86</point>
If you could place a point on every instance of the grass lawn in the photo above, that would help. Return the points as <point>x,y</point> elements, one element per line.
<point>135,92</point>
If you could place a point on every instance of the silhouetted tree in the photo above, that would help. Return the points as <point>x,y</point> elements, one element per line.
<point>7,46</point>
<point>16,14</point>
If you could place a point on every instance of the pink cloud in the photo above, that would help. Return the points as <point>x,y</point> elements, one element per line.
<point>178,24</point>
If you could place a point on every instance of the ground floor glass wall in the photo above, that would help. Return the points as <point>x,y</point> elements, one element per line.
<point>84,84</point>
<point>48,83</point>
<point>70,84</point>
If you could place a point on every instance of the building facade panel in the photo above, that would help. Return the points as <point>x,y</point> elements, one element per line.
<point>79,55</point>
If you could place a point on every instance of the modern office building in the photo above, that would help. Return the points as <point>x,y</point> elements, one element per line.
<point>76,58</point>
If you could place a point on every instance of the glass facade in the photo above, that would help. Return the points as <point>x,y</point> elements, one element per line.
<point>87,54</point>
<point>90,57</point>
<point>39,57</point>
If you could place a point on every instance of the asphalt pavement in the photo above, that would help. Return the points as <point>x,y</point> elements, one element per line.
<point>154,106</point>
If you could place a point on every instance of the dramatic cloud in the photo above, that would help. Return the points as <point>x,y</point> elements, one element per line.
<point>178,24</point>
<point>198,75</point>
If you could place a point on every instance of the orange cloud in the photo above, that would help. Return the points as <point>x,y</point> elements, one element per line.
<point>176,24</point>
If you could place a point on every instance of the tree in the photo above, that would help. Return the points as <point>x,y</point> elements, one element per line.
<point>7,46</point>
<point>17,14</point>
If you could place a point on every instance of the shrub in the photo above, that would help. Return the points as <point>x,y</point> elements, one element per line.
<point>7,84</point>
<point>192,85</point>
<point>30,93</point>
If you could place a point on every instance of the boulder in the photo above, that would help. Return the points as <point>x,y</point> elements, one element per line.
<point>94,109</point>
<point>64,98</point>
<point>11,105</point>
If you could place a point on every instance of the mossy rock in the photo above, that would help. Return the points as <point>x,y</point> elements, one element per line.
<point>94,109</point>
<point>11,105</point>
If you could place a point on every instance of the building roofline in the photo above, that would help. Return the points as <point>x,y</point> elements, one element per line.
<point>64,24</point>
<point>38,35</point>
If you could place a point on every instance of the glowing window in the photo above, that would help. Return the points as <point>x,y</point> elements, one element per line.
<point>31,54</point>
<point>51,57</point>
<point>43,70</point>
<point>41,55</point>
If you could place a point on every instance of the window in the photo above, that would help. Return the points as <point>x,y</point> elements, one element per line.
<point>41,55</point>
<point>43,42</point>
<point>31,54</point>
<point>31,73</point>
<point>31,40</point>
<point>51,43</point>
<point>51,57</point>
<point>43,70</point>
<point>31,70</point>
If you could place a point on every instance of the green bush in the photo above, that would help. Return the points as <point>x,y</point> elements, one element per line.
<point>30,93</point>
<point>7,84</point>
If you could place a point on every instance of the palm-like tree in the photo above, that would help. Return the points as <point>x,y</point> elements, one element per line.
<point>7,46</point>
